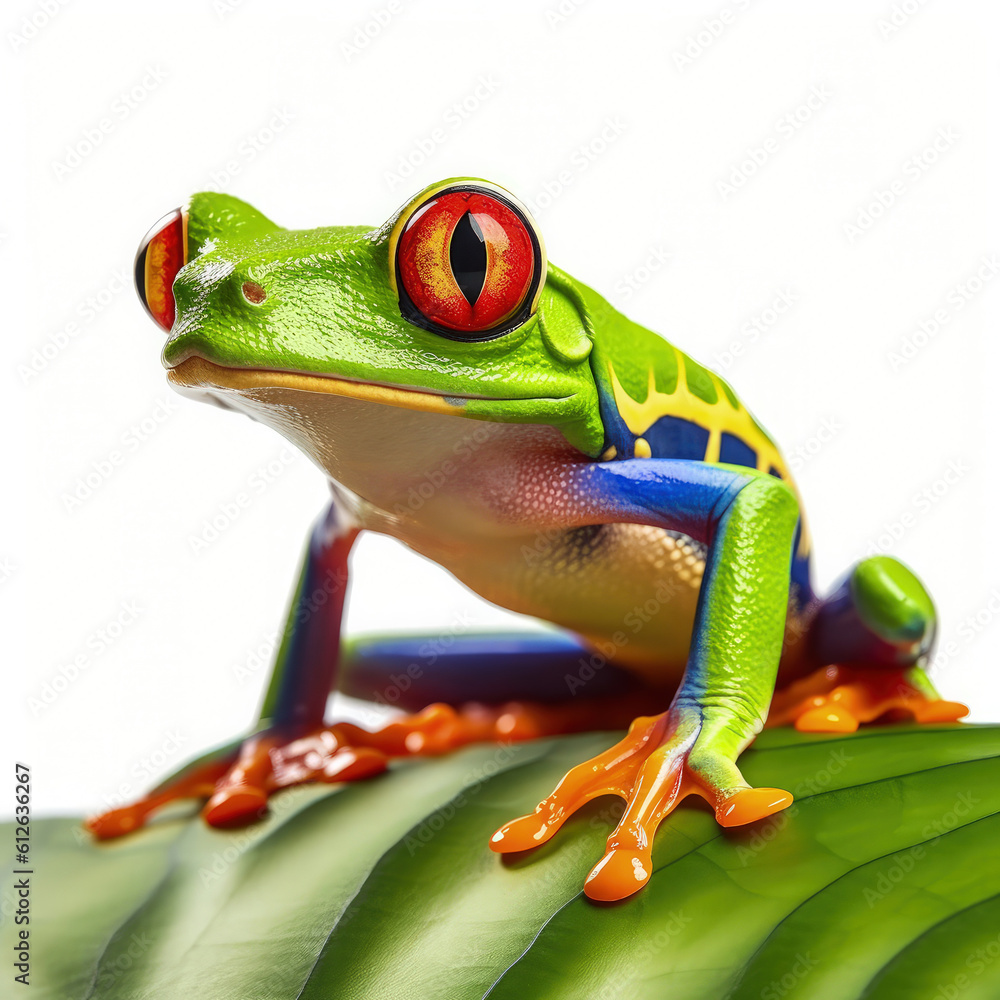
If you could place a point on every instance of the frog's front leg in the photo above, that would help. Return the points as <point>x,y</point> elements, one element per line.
<point>292,744</point>
<point>236,778</point>
<point>748,520</point>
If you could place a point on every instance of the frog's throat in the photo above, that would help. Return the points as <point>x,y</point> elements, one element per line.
<point>197,376</point>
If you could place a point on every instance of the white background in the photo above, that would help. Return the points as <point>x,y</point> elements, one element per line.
<point>361,129</point>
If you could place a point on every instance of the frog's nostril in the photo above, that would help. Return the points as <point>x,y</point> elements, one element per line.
<point>253,292</point>
<point>162,253</point>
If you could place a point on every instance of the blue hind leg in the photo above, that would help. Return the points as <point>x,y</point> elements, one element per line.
<point>871,638</point>
<point>879,615</point>
<point>412,672</point>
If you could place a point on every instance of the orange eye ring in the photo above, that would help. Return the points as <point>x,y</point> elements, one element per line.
<point>467,262</point>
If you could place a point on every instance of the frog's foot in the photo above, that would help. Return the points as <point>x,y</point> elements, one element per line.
<point>238,784</point>
<point>197,781</point>
<point>238,781</point>
<point>663,759</point>
<point>837,699</point>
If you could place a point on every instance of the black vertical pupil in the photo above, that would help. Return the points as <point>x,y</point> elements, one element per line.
<point>467,255</point>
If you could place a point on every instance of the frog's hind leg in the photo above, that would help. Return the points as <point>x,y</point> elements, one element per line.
<point>870,640</point>
<point>491,686</point>
<point>410,672</point>
<point>879,615</point>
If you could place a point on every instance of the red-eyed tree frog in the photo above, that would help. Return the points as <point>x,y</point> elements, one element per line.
<point>465,396</point>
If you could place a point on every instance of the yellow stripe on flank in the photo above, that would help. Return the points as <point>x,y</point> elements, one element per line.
<point>198,373</point>
<point>717,418</point>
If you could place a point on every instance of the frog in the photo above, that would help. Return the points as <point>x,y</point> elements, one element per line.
<point>463,395</point>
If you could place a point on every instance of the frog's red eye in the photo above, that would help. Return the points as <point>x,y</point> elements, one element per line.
<point>468,264</point>
<point>161,254</point>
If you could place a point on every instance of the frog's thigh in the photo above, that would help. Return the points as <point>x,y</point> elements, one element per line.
<point>412,672</point>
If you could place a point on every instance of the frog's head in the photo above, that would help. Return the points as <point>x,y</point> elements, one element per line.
<point>448,307</point>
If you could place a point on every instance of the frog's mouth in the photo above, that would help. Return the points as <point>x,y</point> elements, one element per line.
<point>195,376</point>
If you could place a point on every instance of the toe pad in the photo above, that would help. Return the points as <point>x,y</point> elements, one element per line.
<point>751,804</point>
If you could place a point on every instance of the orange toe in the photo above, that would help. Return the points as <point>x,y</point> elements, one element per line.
<point>940,711</point>
<point>521,834</point>
<point>826,719</point>
<point>751,804</point>
<point>618,874</point>
<point>115,823</point>
<point>354,764</point>
<point>235,804</point>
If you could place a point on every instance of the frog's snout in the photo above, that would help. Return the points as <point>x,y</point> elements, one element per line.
<point>161,254</point>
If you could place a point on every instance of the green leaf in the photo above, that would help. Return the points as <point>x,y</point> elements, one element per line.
<point>881,881</point>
